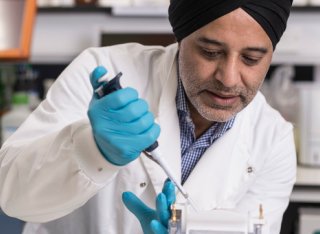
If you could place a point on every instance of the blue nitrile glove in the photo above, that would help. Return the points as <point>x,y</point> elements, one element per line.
<point>122,124</point>
<point>152,221</point>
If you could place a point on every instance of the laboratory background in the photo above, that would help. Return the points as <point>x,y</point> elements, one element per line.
<point>35,47</point>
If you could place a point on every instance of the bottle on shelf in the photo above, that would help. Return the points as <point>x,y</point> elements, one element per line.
<point>7,80</point>
<point>18,113</point>
<point>27,81</point>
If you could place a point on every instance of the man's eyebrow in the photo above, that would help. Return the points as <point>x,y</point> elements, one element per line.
<point>215,42</point>
<point>261,50</point>
<point>211,41</point>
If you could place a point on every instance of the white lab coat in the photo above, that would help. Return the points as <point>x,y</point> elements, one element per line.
<point>52,169</point>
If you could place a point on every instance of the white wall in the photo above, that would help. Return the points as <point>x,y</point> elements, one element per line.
<point>59,37</point>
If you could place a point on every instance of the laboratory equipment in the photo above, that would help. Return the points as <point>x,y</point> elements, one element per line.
<point>185,221</point>
<point>309,220</point>
<point>309,126</point>
<point>283,92</point>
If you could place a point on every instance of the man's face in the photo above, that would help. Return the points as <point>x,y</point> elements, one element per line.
<point>223,64</point>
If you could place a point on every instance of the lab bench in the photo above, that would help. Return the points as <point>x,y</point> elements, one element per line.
<point>305,194</point>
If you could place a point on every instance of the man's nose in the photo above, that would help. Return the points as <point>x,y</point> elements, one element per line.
<point>228,72</point>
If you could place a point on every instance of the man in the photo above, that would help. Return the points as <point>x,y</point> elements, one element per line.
<point>77,154</point>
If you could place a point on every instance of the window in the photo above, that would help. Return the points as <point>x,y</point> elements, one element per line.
<point>16,24</point>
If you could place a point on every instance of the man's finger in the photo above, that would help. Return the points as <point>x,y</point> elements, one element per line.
<point>157,227</point>
<point>169,191</point>
<point>136,206</point>
<point>163,209</point>
<point>97,73</point>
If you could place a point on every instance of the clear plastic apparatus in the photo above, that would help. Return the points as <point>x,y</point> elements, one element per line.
<point>187,221</point>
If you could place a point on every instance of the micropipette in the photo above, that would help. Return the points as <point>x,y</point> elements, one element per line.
<point>152,152</point>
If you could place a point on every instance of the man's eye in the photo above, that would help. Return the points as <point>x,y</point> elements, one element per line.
<point>212,54</point>
<point>250,60</point>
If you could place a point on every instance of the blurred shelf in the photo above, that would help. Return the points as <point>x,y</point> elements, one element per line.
<point>147,11</point>
<point>144,11</point>
<point>78,9</point>
<point>52,59</point>
<point>305,195</point>
<point>278,59</point>
<point>281,57</point>
<point>307,186</point>
<point>308,176</point>
<point>306,8</point>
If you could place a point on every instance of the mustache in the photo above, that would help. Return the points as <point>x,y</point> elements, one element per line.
<point>217,87</point>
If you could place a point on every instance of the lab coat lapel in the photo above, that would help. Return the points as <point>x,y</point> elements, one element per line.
<point>220,170</point>
<point>169,139</point>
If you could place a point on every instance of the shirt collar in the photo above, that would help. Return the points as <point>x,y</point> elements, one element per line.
<point>215,131</point>
<point>181,99</point>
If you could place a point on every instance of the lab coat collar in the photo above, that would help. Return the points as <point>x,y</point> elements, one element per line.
<point>169,139</point>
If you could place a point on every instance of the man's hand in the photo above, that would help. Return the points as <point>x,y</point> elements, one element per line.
<point>121,123</point>
<point>152,221</point>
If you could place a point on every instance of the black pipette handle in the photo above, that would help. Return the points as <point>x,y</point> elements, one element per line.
<point>114,85</point>
<point>110,87</point>
<point>152,147</point>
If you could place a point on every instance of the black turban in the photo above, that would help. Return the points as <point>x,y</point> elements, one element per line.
<point>187,16</point>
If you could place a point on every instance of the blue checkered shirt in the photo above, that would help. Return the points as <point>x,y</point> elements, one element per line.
<point>191,148</point>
